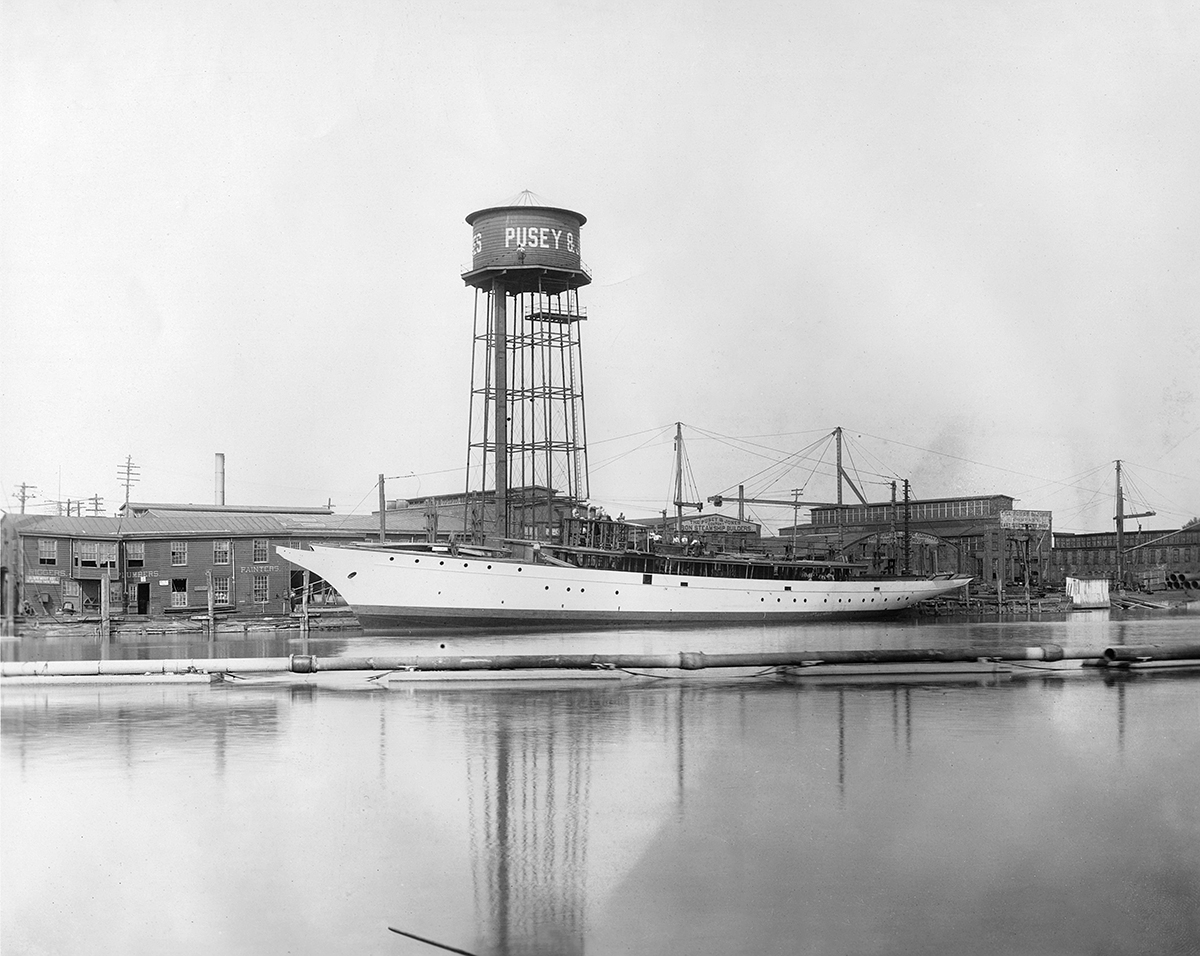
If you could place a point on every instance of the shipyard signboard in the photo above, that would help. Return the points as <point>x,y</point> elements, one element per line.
<point>1035,520</point>
<point>719,524</point>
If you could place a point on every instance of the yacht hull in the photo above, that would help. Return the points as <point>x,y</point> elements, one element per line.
<point>390,589</point>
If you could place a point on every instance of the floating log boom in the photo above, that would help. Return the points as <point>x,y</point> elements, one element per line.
<point>684,660</point>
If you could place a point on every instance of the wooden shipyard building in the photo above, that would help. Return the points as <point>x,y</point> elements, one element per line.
<point>159,561</point>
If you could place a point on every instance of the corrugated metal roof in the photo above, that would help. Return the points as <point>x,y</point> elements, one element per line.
<point>196,523</point>
<point>163,508</point>
<point>212,524</point>
<point>75,527</point>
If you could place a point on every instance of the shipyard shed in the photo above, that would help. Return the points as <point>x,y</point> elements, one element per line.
<point>159,561</point>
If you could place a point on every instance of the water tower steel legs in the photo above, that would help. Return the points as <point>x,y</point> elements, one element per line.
<point>500,369</point>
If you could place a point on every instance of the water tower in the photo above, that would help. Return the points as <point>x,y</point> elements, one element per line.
<point>527,445</point>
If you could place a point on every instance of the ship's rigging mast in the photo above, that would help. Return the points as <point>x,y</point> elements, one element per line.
<point>1120,519</point>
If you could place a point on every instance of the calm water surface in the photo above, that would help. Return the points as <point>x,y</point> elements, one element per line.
<point>1033,814</point>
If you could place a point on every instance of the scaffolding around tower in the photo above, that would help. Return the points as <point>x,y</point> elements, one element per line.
<point>527,445</point>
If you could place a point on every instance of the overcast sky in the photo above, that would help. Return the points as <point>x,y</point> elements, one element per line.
<point>966,232</point>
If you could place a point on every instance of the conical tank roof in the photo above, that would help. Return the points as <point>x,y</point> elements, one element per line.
<point>524,199</point>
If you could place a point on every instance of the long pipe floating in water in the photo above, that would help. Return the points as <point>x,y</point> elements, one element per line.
<point>685,660</point>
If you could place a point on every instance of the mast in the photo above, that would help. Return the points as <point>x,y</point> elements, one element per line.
<point>679,478</point>
<point>1120,519</point>
<point>841,540</point>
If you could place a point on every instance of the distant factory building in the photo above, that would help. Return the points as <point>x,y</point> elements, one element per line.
<point>983,536</point>
<point>1147,560</point>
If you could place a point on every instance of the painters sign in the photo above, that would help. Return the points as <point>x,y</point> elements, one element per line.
<point>1036,520</point>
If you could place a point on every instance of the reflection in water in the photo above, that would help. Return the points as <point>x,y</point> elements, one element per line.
<point>705,816</point>
<point>528,782</point>
<point>535,760</point>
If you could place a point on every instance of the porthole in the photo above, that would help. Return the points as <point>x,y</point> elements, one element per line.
<point>489,567</point>
<point>441,562</point>
<point>351,574</point>
<point>416,560</point>
<point>465,565</point>
<point>568,589</point>
<point>392,558</point>
<point>518,569</point>
<point>547,587</point>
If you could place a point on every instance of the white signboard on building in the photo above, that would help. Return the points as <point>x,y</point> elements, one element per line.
<point>1037,520</point>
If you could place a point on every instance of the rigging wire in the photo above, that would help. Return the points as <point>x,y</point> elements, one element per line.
<point>609,461</point>
<point>784,465</point>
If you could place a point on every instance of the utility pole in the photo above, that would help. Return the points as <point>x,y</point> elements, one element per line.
<point>25,493</point>
<point>893,527</point>
<point>128,473</point>
<point>382,512</point>
<point>795,518</point>
<point>907,538</point>
<point>97,503</point>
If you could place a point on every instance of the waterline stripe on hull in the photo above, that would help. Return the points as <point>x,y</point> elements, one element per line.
<point>376,617</point>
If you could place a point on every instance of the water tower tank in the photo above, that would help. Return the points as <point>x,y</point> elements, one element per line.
<point>528,246</point>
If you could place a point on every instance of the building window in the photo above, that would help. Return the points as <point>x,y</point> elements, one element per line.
<point>135,554</point>
<point>85,553</point>
<point>262,588</point>
<point>178,554</point>
<point>131,595</point>
<point>179,592</point>
<point>221,552</point>
<point>47,551</point>
<point>108,554</point>
<point>220,586</point>
<point>261,554</point>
